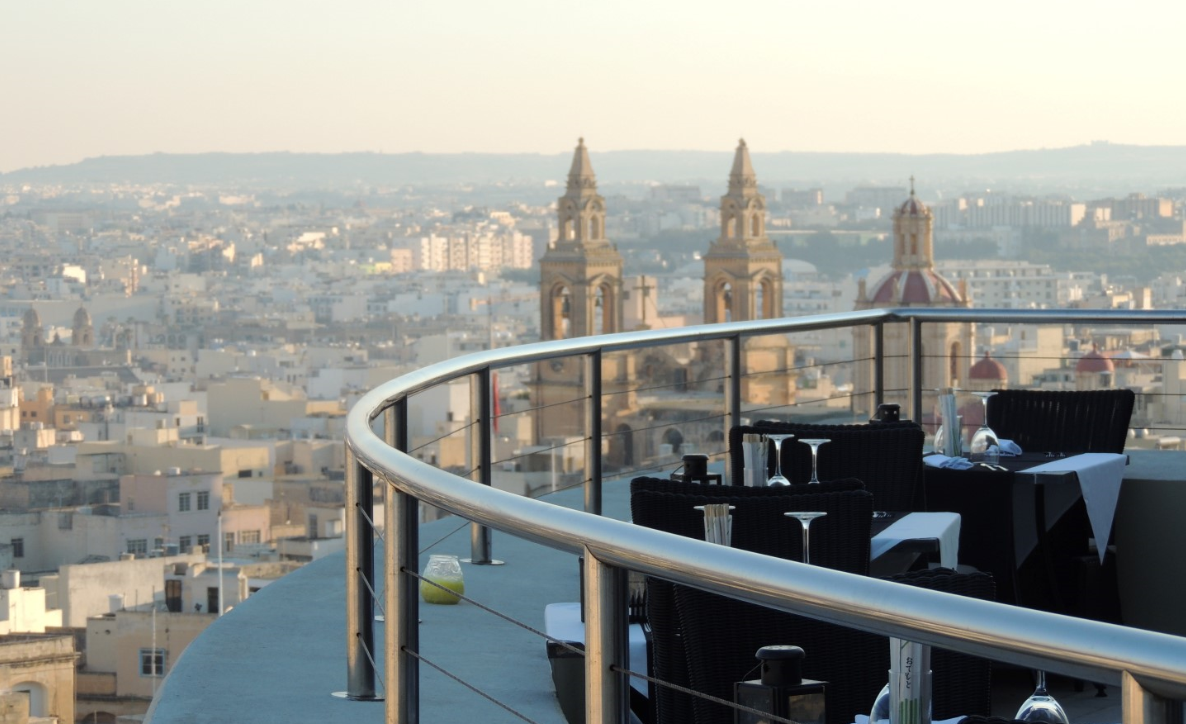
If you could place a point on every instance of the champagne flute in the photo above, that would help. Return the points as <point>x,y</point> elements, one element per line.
<point>814,442</point>
<point>1041,707</point>
<point>778,478</point>
<point>805,519</point>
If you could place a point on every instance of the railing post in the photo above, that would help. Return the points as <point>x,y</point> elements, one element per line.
<point>878,364</point>
<point>482,455</point>
<point>593,432</point>
<point>916,358</point>
<point>1138,705</point>
<point>401,599</point>
<point>733,374</point>
<point>360,580</point>
<point>607,692</point>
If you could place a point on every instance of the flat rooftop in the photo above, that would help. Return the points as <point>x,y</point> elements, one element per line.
<point>280,655</point>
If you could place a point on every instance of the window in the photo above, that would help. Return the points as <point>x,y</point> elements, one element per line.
<point>249,536</point>
<point>183,502</point>
<point>184,543</point>
<point>138,545</point>
<point>203,500</point>
<point>152,662</point>
<point>244,473</point>
<point>228,542</point>
<point>158,544</point>
<point>203,540</point>
<point>18,547</point>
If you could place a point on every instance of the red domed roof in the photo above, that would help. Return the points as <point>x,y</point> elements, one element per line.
<point>1094,362</point>
<point>914,286</point>
<point>987,369</point>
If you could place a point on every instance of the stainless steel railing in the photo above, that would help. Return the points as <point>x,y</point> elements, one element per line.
<point>1150,668</point>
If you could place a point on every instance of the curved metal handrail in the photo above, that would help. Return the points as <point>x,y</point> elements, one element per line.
<point>1147,665</point>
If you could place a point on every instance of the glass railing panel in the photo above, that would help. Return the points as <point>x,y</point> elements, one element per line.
<point>661,403</point>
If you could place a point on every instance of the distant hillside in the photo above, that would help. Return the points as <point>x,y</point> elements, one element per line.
<point>1100,165</point>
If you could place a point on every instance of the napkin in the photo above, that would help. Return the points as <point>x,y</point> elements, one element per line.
<point>1008,447</point>
<point>943,461</point>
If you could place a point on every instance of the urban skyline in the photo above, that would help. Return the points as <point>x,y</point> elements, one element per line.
<point>130,77</point>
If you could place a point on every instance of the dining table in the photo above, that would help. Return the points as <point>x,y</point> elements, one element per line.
<point>1030,521</point>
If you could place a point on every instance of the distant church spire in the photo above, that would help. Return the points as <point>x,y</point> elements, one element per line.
<point>580,176</point>
<point>742,179</point>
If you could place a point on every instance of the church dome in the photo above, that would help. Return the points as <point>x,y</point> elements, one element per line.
<point>82,317</point>
<point>32,318</point>
<point>1094,362</point>
<point>914,286</point>
<point>913,207</point>
<point>988,369</point>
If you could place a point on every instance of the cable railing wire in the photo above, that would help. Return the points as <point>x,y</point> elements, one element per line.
<point>374,529</point>
<point>466,684</point>
<point>573,649</point>
<point>569,647</point>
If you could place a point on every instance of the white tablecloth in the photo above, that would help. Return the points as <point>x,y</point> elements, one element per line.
<point>563,621</point>
<point>1100,476</point>
<point>945,527</point>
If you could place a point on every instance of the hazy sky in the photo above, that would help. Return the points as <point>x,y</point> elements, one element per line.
<point>82,78</point>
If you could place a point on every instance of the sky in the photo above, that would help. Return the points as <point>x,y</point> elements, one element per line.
<point>87,78</point>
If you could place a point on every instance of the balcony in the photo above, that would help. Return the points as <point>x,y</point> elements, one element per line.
<point>281,653</point>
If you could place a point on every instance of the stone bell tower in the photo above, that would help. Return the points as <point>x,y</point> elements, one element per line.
<point>580,295</point>
<point>743,282</point>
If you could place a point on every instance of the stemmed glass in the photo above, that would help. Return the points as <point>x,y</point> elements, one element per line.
<point>985,446</point>
<point>1041,707</point>
<point>805,519</point>
<point>814,443</point>
<point>778,478</point>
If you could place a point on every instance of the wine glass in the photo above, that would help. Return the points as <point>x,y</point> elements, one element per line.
<point>1041,707</point>
<point>778,478</point>
<point>805,519</point>
<point>814,442</point>
<point>985,447</point>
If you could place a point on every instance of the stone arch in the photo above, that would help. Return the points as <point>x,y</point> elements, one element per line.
<point>621,447</point>
<point>38,697</point>
<point>722,299</point>
<point>561,311</point>
<point>675,439</point>
<point>756,224</point>
<point>594,228</point>
<point>768,298</point>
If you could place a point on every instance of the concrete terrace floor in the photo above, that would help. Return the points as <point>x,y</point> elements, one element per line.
<point>279,656</point>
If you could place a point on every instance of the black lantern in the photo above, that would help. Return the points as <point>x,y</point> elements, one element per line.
<point>782,690</point>
<point>695,470</point>
<point>887,412</point>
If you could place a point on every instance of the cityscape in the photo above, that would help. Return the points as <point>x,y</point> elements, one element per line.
<point>222,226</point>
<point>179,360</point>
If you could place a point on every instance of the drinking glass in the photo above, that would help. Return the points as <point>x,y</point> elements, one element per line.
<point>778,478</point>
<point>814,443</point>
<point>1041,707</point>
<point>985,447</point>
<point>805,519</point>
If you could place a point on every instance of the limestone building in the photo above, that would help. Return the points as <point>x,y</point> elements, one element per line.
<point>912,282</point>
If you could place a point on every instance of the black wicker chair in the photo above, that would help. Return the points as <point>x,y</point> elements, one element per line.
<point>723,634</point>
<point>1071,422</point>
<point>673,512</point>
<point>885,456</point>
